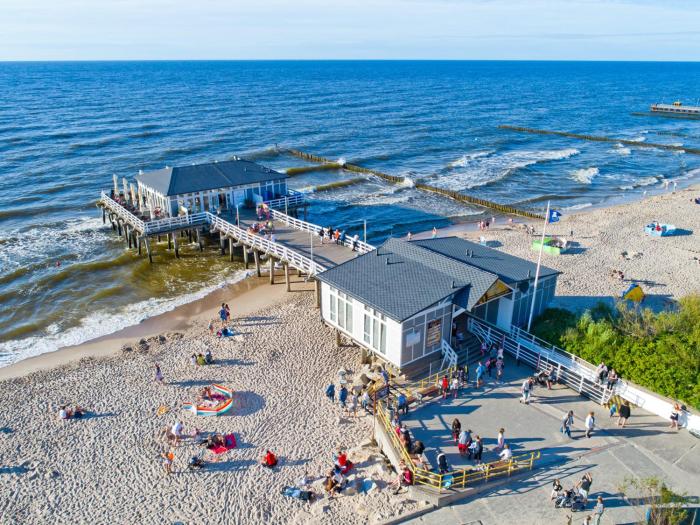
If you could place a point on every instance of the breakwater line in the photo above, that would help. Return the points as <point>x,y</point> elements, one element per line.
<point>596,138</point>
<point>460,197</point>
<point>339,184</point>
<point>328,166</point>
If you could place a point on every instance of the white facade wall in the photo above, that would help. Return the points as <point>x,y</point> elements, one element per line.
<point>357,333</point>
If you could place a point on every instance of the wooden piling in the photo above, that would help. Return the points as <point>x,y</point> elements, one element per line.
<point>119,227</point>
<point>199,240</point>
<point>222,242</point>
<point>170,237</point>
<point>245,256</point>
<point>272,270</point>
<point>189,235</point>
<point>138,240</point>
<point>104,216</point>
<point>148,250</point>
<point>230,249</point>
<point>256,256</point>
<point>286,277</point>
<point>177,251</point>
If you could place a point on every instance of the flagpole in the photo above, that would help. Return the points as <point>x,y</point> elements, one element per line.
<point>537,272</point>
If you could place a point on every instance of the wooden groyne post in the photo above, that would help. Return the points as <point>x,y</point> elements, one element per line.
<point>460,197</point>
<point>596,138</point>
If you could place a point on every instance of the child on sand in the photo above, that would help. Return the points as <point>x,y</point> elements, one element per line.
<point>159,375</point>
<point>168,459</point>
<point>269,460</point>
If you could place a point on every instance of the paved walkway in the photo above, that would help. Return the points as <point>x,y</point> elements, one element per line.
<point>327,254</point>
<point>644,448</point>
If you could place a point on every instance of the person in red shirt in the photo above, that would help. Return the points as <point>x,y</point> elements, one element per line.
<point>445,387</point>
<point>270,460</point>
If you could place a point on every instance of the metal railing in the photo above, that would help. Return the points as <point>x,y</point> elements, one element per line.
<point>161,225</point>
<point>569,372</point>
<point>122,212</point>
<point>460,478</point>
<point>360,246</point>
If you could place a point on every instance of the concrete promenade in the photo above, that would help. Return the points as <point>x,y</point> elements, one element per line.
<point>644,448</point>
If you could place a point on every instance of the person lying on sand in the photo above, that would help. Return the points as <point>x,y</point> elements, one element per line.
<point>66,412</point>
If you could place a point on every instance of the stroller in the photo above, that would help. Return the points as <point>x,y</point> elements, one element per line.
<point>570,499</point>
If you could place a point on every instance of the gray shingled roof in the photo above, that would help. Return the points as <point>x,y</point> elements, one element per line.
<point>413,279</point>
<point>510,269</point>
<point>210,176</point>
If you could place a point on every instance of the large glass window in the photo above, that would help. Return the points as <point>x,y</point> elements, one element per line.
<point>341,309</point>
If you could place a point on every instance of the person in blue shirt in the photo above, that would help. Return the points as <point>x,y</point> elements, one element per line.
<point>330,392</point>
<point>480,374</point>
<point>402,403</point>
<point>343,396</point>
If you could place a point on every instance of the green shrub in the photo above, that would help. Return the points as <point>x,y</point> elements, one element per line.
<point>659,351</point>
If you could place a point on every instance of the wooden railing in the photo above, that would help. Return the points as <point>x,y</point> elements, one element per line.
<point>460,478</point>
<point>277,250</point>
<point>122,212</point>
<point>181,221</point>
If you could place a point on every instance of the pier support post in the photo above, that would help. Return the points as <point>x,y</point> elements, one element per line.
<point>199,240</point>
<point>245,256</point>
<point>286,277</point>
<point>128,235</point>
<point>138,241</point>
<point>337,338</point>
<point>222,242</point>
<point>177,251</point>
<point>158,237</point>
<point>230,249</point>
<point>189,235</point>
<point>104,216</point>
<point>170,237</point>
<point>272,270</point>
<point>317,287</point>
<point>119,228</point>
<point>148,250</point>
<point>256,256</point>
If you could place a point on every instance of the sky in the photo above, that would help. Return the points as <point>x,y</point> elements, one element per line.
<point>350,29</point>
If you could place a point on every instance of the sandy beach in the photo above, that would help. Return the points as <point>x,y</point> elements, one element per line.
<point>666,268</point>
<point>107,467</point>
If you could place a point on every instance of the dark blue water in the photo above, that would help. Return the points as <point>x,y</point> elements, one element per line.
<point>65,128</point>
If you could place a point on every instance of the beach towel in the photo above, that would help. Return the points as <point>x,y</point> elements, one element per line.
<point>229,443</point>
<point>367,486</point>
<point>294,492</point>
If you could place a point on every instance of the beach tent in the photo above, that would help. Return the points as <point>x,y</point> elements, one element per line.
<point>634,293</point>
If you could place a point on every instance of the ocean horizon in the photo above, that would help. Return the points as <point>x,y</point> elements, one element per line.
<point>66,127</point>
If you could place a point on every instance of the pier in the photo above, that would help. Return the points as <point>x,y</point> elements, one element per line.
<point>296,243</point>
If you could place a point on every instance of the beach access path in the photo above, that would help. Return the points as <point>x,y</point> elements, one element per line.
<point>645,447</point>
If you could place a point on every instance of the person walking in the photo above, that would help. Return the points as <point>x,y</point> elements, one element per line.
<point>330,392</point>
<point>500,440</point>
<point>343,396</point>
<point>444,386</point>
<point>478,447</point>
<point>462,376</point>
<point>567,423</point>
<point>623,414</point>
<point>598,511</point>
<point>589,424</point>
<point>479,374</point>
<point>159,374</point>
<point>464,442</point>
<point>675,416</point>
<point>455,387</point>
<point>456,429</point>
<point>584,486</point>
<point>365,400</point>
<point>499,370</point>
<point>434,232</point>
<point>352,405</point>
<point>525,391</point>
<point>402,404</point>
<point>168,458</point>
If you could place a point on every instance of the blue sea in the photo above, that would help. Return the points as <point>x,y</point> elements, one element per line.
<point>65,128</point>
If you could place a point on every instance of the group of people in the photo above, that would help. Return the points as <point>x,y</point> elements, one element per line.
<point>202,359</point>
<point>473,446</point>
<point>66,412</point>
<point>337,236</point>
<point>576,498</point>
<point>606,376</point>
<point>336,478</point>
<point>485,224</point>
<point>567,423</point>
<point>349,400</point>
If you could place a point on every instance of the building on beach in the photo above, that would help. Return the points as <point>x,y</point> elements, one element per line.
<point>213,187</point>
<point>402,300</point>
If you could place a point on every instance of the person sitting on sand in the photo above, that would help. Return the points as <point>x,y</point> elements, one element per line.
<point>200,360</point>
<point>65,412</point>
<point>207,393</point>
<point>208,357</point>
<point>193,359</point>
<point>269,461</point>
<point>331,485</point>
<point>177,431</point>
<point>343,462</point>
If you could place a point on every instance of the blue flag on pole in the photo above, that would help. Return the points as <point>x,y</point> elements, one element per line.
<point>554,216</point>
